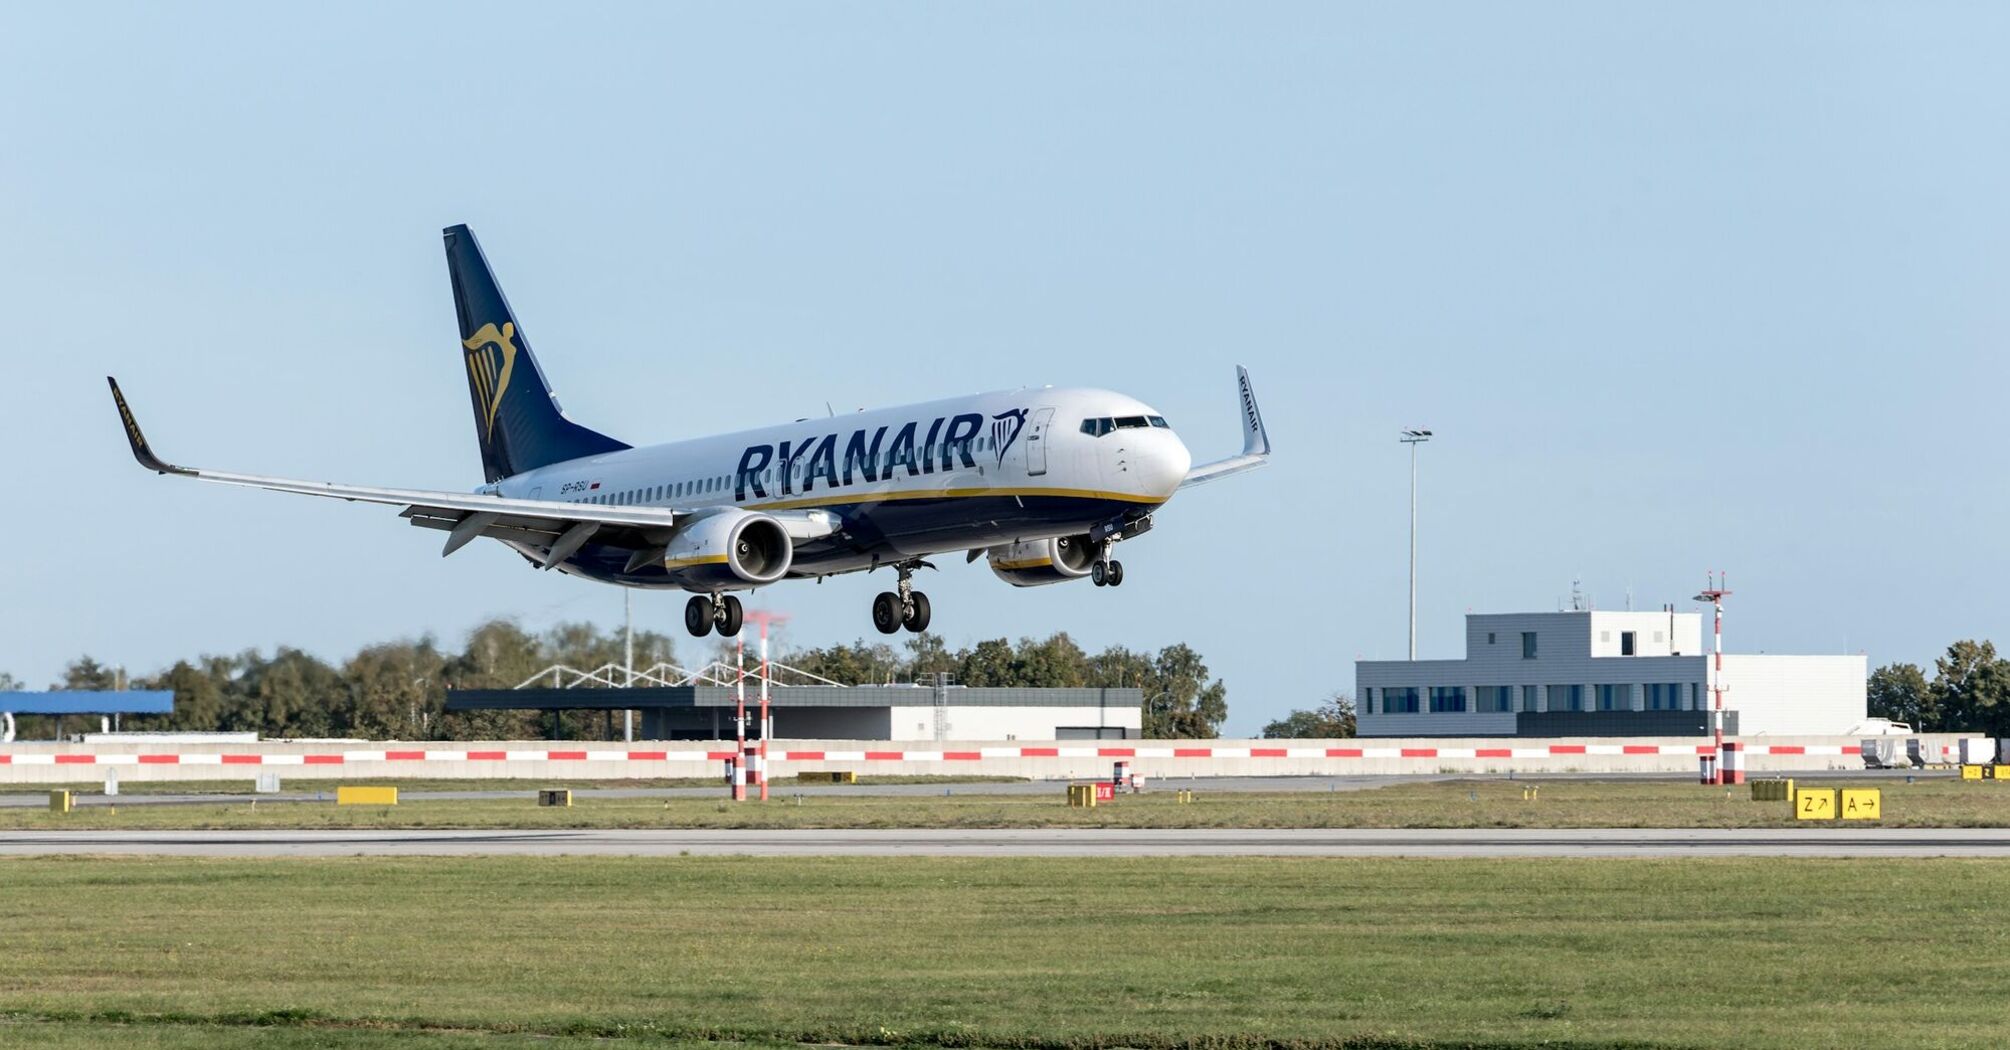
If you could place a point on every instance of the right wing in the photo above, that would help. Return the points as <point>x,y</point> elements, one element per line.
<point>557,525</point>
<point>1255,440</point>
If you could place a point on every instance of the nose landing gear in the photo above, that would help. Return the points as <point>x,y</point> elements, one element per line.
<point>1107,571</point>
<point>905,606</point>
<point>703,613</point>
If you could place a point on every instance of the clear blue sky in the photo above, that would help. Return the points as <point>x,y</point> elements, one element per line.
<point>1680,287</point>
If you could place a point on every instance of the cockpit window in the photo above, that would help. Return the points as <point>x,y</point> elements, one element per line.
<point>1097,427</point>
<point>1160,422</point>
<point>1129,422</point>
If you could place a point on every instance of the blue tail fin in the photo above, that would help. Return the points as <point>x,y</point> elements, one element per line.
<point>517,419</point>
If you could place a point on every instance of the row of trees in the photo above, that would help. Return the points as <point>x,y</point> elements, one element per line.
<point>1180,699</point>
<point>1330,720</point>
<point>397,690</point>
<point>1969,692</point>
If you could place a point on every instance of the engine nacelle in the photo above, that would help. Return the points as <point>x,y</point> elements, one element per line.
<point>729,548</point>
<point>1031,563</point>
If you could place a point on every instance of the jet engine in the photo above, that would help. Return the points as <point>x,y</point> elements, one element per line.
<point>1031,563</point>
<point>728,548</point>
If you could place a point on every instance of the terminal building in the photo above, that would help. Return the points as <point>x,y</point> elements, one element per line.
<point>1592,673</point>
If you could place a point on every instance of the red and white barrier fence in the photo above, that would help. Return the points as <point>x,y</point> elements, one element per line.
<point>26,763</point>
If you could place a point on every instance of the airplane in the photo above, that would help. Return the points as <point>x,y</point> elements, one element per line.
<point>1043,482</point>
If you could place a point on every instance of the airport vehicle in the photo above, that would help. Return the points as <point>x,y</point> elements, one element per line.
<point>1042,482</point>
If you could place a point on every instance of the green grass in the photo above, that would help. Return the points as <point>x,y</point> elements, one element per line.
<point>1480,803</point>
<point>39,1035</point>
<point>1023,952</point>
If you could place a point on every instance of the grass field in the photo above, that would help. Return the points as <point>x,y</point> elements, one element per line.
<point>1486,803</point>
<point>1022,953</point>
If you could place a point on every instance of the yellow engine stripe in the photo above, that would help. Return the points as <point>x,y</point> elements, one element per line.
<point>1036,563</point>
<point>705,559</point>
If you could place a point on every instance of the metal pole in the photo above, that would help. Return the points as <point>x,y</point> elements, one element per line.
<point>1413,551</point>
<point>628,658</point>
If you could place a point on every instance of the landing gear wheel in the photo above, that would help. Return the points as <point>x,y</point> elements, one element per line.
<point>1116,574</point>
<point>886,613</point>
<point>1100,574</point>
<point>917,613</point>
<point>698,616</point>
<point>730,616</point>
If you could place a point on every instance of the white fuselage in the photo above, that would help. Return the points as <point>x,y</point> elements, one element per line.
<point>960,474</point>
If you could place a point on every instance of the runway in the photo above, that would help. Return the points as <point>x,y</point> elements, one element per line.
<point>1211,842</point>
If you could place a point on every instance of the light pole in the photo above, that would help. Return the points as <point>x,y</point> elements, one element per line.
<point>1413,438</point>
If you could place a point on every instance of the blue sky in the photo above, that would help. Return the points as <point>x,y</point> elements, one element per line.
<point>1680,287</point>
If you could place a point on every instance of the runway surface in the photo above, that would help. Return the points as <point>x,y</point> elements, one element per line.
<point>1212,842</point>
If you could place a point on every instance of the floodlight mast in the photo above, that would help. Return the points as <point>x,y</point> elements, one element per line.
<point>1413,437</point>
<point>1715,594</point>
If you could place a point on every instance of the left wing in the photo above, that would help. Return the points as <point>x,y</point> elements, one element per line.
<point>557,525</point>
<point>1255,440</point>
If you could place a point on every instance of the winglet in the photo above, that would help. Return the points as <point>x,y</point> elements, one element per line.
<point>141,450</point>
<point>1255,440</point>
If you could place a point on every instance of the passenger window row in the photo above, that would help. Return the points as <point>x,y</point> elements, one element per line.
<point>657,493</point>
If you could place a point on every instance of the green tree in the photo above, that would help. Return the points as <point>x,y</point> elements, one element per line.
<point>1179,700</point>
<point>854,664</point>
<point>989,663</point>
<point>928,655</point>
<point>85,673</point>
<point>1971,688</point>
<point>1900,693</point>
<point>294,694</point>
<point>395,690</point>
<point>1057,663</point>
<point>1332,719</point>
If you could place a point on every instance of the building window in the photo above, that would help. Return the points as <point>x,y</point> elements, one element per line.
<point>1399,700</point>
<point>1566,698</point>
<point>1528,645</point>
<point>1490,638</point>
<point>1368,700</point>
<point>1528,695</point>
<point>1447,698</point>
<point>1664,696</point>
<point>1695,697</point>
<point>1626,643</point>
<point>1494,699</point>
<point>1615,698</point>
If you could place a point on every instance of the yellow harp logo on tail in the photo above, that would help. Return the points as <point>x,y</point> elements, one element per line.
<point>491,355</point>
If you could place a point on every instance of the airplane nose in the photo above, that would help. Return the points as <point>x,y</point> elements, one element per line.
<point>1163,465</point>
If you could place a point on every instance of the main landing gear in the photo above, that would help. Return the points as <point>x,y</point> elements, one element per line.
<point>703,613</point>
<point>908,608</point>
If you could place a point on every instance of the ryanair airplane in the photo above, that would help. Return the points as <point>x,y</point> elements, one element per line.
<point>1044,483</point>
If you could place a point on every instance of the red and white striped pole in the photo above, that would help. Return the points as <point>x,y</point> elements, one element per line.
<point>1715,595</point>
<point>766,724</point>
<point>740,722</point>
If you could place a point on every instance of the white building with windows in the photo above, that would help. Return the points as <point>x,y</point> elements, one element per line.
<point>1603,674</point>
